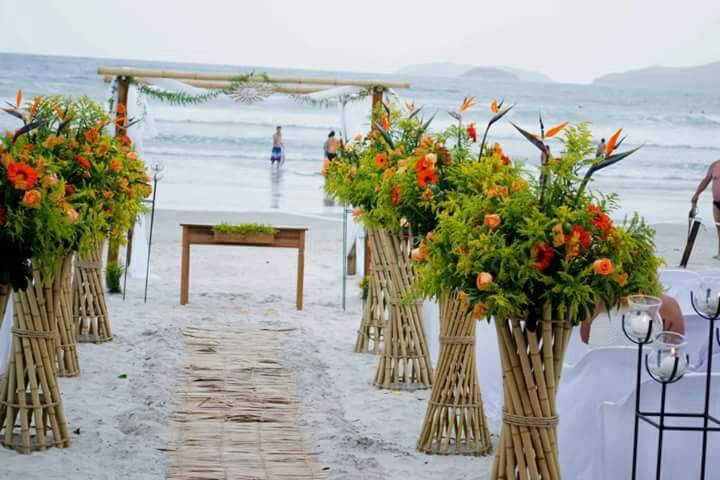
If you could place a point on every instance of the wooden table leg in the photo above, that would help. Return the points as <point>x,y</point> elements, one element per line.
<point>300,271</point>
<point>185,267</point>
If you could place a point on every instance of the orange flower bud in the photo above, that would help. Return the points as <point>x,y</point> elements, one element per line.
<point>483,281</point>
<point>32,198</point>
<point>492,220</point>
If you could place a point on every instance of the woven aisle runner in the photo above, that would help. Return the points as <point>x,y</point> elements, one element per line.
<point>237,415</point>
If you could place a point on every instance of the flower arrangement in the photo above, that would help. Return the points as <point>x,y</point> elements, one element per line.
<point>400,173</point>
<point>512,245</point>
<point>64,184</point>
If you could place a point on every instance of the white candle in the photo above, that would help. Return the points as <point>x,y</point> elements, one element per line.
<point>667,365</point>
<point>640,324</point>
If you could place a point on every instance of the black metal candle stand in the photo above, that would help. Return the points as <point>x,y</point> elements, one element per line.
<point>710,423</point>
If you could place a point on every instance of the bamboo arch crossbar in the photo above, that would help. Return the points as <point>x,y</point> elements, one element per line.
<point>229,77</point>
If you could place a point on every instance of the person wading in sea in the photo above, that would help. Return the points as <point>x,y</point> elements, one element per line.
<point>277,149</point>
<point>331,145</point>
<point>600,148</point>
<point>713,175</point>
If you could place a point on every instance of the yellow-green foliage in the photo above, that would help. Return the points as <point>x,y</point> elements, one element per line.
<point>245,228</point>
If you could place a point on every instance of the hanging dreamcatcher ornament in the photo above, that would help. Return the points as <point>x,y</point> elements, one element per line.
<point>252,92</point>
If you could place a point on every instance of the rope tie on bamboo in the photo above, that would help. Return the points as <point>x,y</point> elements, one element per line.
<point>535,422</point>
<point>20,332</point>
<point>396,301</point>
<point>450,340</point>
<point>89,264</point>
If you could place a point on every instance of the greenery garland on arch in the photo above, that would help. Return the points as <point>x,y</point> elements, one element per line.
<point>184,98</point>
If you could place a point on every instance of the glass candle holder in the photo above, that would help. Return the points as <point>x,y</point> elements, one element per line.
<point>706,298</point>
<point>643,315</point>
<point>667,360</point>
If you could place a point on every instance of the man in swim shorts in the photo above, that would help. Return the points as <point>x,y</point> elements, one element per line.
<point>713,175</point>
<point>277,150</point>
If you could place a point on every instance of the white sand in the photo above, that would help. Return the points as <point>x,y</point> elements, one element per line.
<point>359,431</point>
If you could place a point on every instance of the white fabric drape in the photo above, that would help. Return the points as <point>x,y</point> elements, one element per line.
<point>6,337</point>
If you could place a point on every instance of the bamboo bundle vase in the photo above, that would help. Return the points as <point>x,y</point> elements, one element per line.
<point>455,420</point>
<point>89,308</point>
<point>67,357</point>
<point>370,333</point>
<point>404,359</point>
<point>531,363</point>
<point>29,395</point>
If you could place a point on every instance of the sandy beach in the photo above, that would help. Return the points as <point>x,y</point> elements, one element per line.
<point>120,408</point>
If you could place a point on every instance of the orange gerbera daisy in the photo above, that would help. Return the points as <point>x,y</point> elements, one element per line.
<point>381,160</point>
<point>21,175</point>
<point>427,176</point>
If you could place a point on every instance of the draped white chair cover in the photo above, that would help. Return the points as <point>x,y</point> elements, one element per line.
<point>603,374</point>
<point>6,337</point>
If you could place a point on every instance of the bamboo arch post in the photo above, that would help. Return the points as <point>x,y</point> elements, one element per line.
<point>67,360</point>
<point>29,393</point>
<point>455,420</point>
<point>89,308</point>
<point>370,334</point>
<point>531,363</point>
<point>405,360</point>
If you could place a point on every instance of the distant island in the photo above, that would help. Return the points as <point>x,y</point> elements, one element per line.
<point>447,69</point>
<point>703,77</point>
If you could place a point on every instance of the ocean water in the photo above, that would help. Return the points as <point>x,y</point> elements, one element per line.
<point>216,155</point>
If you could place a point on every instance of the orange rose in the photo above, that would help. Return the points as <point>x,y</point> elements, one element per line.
<point>483,281</point>
<point>32,198</point>
<point>517,185</point>
<point>492,220</point>
<point>389,173</point>
<point>419,254</point>
<point>603,266</point>
<point>357,211</point>
<point>132,156</point>
<point>115,165</point>
<point>430,236</point>
<point>621,279</point>
<point>479,310</point>
<point>72,214</point>
<point>558,235</point>
<point>427,194</point>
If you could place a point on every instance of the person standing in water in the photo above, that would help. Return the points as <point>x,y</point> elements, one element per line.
<point>601,148</point>
<point>277,149</point>
<point>713,175</point>
<point>331,145</point>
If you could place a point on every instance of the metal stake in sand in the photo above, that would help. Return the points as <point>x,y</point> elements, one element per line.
<point>455,422</point>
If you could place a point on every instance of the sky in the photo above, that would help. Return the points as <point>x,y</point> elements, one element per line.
<point>569,40</point>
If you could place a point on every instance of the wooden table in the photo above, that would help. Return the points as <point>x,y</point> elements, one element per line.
<point>203,235</point>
